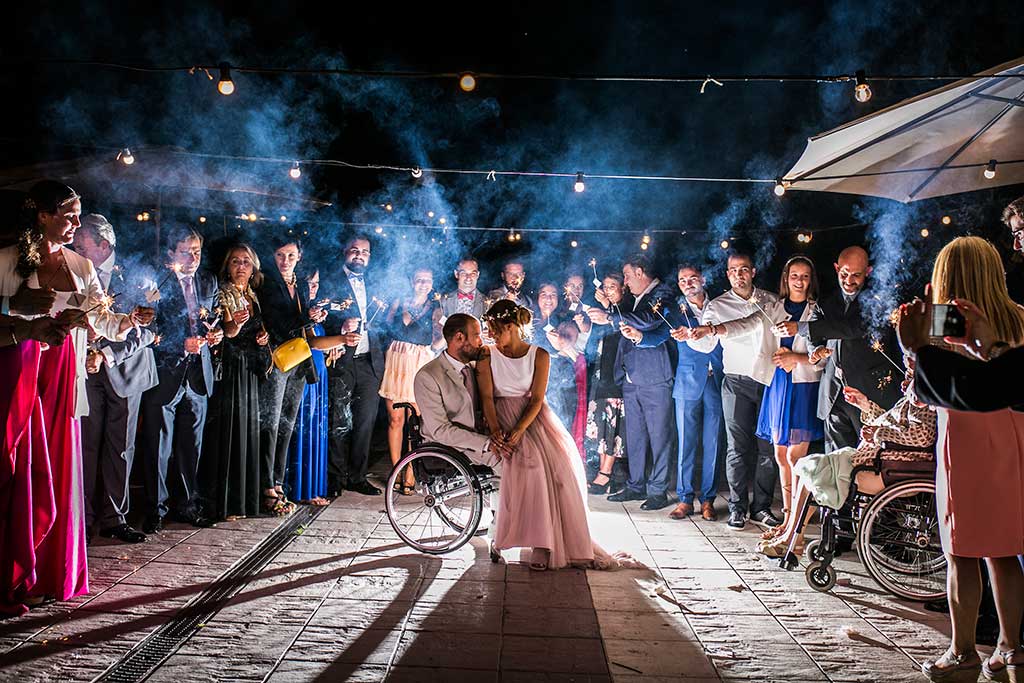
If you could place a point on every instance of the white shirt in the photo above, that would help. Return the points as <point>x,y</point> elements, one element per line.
<point>105,270</point>
<point>359,291</point>
<point>456,363</point>
<point>636,301</point>
<point>748,343</point>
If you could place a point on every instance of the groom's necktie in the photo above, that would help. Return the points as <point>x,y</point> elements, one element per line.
<point>469,381</point>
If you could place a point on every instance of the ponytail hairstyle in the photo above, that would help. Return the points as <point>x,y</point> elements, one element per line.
<point>46,196</point>
<point>505,312</point>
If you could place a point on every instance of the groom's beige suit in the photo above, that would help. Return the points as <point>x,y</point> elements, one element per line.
<point>448,412</point>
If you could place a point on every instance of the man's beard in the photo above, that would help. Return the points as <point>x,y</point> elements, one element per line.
<point>357,268</point>
<point>472,354</point>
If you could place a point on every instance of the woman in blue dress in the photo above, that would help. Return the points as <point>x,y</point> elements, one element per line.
<point>789,410</point>
<point>307,455</point>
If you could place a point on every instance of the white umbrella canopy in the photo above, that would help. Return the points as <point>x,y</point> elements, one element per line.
<point>936,144</point>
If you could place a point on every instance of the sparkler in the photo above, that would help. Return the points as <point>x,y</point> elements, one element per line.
<point>569,296</point>
<point>596,280</point>
<point>876,346</point>
<point>682,307</point>
<point>656,307</point>
<point>154,294</point>
<point>381,305</point>
<point>753,300</point>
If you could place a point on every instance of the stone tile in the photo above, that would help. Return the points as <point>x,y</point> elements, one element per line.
<point>714,592</point>
<point>675,659</point>
<point>361,614</point>
<point>88,628</point>
<point>547,677</point>
<point>416,674</point>
<point>748,661</point>
<point>547,595</point>
<point>301,671</point>
<point>436,649</point>
<point>248,608</point>
<point>456,618</point>
<point>172,575</point>
<point>131,599</point>
<point>726,628</point>
<point>662,626</point>
<point>682,560</point>
<point>557,622</point>
<point>223,667</point>
<point>372,587</point>
<point>563,578</point>
<point>254,641</point>
<point>461,591</point>
<point>636,599</point>
<point>679,543</point>
<point>555,655</point>
<point>345,646</point>
<point>59,662</point>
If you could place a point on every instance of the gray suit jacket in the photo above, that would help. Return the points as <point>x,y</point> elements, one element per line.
<point>130,364</point>
<point>447,412</point>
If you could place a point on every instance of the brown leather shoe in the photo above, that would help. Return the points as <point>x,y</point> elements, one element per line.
<point>682,511</point>
<point>707,511</point>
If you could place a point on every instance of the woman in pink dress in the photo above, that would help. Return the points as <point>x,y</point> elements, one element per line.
<point>980,481</point>
<point>543,485</point>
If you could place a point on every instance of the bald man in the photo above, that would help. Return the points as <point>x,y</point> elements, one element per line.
<point>840,326</point>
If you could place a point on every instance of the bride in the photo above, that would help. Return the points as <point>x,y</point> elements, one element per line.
<point>543,485</point>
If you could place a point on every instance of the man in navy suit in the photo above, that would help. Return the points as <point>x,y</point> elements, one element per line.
<point>698,397</point>
<point>119,373</point>
<point>645,374</point>
<point>174,411</point>
<point>354,383</point>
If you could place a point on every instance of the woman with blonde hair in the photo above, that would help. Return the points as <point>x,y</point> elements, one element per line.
<point>981,458</point>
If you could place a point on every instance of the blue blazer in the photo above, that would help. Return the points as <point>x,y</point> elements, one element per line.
<point>172,325</point>
<point>692,368</point>
<point>650,363</point>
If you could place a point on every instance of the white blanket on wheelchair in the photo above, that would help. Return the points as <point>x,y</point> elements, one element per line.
<point>827,476</point>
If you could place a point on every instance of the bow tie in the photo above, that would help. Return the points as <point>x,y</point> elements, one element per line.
<point>463,295</point>
<point>355,276</point>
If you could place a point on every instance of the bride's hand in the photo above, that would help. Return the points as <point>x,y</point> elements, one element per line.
<point>513,438</point>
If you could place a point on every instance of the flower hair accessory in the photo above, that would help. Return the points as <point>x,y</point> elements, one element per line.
<point>29,204</point>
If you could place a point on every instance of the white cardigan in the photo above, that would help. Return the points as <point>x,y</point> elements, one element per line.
<point>88,291</point>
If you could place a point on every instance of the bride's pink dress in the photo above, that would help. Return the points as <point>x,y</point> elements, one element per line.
<point>543,485</point>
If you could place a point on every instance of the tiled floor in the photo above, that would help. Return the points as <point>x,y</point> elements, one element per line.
<point>347,601</point>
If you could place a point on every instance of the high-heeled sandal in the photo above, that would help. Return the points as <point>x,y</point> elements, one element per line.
<point>539,566</point>
<point>1008,673</point>
<point>600,489</point>
<point>779,547</point>
<point>963,667</point>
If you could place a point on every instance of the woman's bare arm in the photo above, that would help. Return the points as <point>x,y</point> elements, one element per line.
<point>485,384</point>
<point>537,390</point>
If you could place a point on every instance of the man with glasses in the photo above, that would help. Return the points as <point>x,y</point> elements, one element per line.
<point>734,320</point>
<point>465,299</point>
<point>355,381</point>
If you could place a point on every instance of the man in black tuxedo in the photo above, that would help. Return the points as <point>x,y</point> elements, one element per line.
<point>646,374</point>
<point>174,411</point>
<point>119,373</point>
<point>357,377</point>
<point>840,325</point>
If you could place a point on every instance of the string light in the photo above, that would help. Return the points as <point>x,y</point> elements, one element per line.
<point>646,238</point>
<point>417,173</point>
<point>378,230</point>
<point>511,236</point>
<point>574,244</point>
<point>862,91</point>
<point>924,232</point>
<point>284,218</point>
<point>990,170</point>
<point>643,245</point>
<point>139,217</point>
<point>225,86</point>
<point>145,215</point>
<point>779,189</point>
<point>295,171</point>
<point>442,220</point>
<point>252,217</point>
<point>579,185</point>
<point>467,82</point>
<point>724,244</point>
<point>430,214</point>
<point>126,157</point>
<point>519,236</point>
<point>388,207</point>
<point>946,220</point>
<point>202,219</point>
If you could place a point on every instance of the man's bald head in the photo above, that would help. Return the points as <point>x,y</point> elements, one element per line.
<point>853,268</point>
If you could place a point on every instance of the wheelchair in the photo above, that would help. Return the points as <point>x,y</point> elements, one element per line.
<point>445,509</point>
<point>896,531</point>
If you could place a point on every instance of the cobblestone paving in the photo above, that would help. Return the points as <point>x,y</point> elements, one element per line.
<point>347,601</point>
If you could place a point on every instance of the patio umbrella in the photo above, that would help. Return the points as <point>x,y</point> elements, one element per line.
<point>940,143</point>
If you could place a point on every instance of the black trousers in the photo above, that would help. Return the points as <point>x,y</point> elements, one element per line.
<point>353,412</point>
<point>746,454</point>
<point>173,428</point>
<point>108,448</point>
<point>280,399</point>
<point>842,428</point>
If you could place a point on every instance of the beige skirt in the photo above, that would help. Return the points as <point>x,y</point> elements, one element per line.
<point>401,363</point>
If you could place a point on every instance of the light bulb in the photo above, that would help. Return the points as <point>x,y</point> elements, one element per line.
<point>126,157</point>
<point>442,220</point>
<point>139,217</point>
<point>862,91</point>
<point>252,217</point>
<point>284,218</point>
<point>145,215</point>
<point>643,245</point>
<point>202,219</point>
<point>417,173</point>
<point>574,244</point>
<point>430,214</point>
<point>388,207</point>
<point>990,170</point>
<point>579,185</point>
<point>779,189</point>
<point>724,244</point>
<point>378,229</point>
<point>225,86</point>
<point>518,236</point>
<point>646,239</point>
<point>467,82</point>
<point>511,236</point>
<point>946,220</point>
<point>295,171</point>
<point>924,232</point>
<point>807,238</point>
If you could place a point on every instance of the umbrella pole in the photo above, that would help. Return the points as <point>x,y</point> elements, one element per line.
<point>159,207</point>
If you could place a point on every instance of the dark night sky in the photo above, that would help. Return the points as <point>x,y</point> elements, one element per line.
<point>736,130</point>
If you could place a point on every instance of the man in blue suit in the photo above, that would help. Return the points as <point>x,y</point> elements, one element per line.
<point>174,411</point>
<point>698,397</point>
<point>645,374</point>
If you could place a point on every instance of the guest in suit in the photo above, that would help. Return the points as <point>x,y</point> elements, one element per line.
<point>174,411</point>
<point>410,327</point>
<point>513,287</point>
<point>747,349</point>
<point>646,374</point>
<point>838,324</point>
<point>465,299</point>
<point>605,441</point>
<point>349,450</point>
<point>119,373</point>
<point>698,397</point>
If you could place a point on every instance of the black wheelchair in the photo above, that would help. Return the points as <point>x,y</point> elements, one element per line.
<point>895,531</point>
<point>448,500</point>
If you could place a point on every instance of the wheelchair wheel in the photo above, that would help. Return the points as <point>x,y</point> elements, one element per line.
<point>821,577</point>
<point>898,542</point>
<point>444,511</point>
<point>813,550</point>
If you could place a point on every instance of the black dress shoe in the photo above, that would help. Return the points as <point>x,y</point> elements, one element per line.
<point>124,533</point>
<point>364,487</point>
<point>655,503</point>
<point>195,519</point>
<point>766,517</point>
<point>153,525</point>
<point>626,495</point>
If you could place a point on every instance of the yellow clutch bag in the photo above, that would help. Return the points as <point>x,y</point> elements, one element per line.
<point>291,353</point>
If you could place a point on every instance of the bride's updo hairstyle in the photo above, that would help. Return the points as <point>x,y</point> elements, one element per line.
<point>504,313</point>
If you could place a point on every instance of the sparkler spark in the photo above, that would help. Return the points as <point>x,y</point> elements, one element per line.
<point>877,347</point>
<point>597,280</point>
<point>656,307</point>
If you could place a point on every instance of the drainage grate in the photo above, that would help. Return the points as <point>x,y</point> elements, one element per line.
<point>152,650</point>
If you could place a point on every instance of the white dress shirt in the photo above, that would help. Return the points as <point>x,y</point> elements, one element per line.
<point>748,343</point>
<point>105,270</point>
<point>358,285</point>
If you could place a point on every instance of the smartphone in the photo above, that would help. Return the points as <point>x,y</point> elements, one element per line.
<point>947,321</point>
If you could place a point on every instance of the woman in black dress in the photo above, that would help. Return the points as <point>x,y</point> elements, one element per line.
<point>231,464</point>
